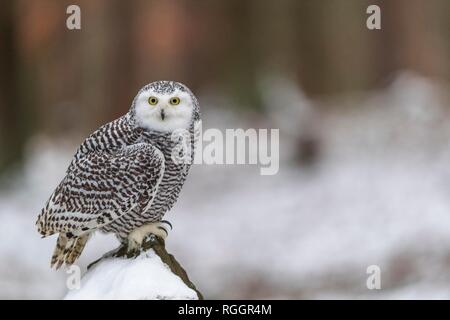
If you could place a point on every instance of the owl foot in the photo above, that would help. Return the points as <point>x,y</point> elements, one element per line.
<point>137,236</point>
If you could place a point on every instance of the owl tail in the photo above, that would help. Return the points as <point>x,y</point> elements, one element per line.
<point>68,249</point>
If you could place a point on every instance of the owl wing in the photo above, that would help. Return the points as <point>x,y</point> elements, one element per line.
<point>102,186</point>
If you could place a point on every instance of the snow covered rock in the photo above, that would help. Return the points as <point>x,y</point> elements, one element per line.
<point>141,276</point>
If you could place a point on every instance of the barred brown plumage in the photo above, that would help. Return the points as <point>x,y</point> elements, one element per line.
<point>123,176</point>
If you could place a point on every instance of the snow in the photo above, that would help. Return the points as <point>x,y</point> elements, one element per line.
<point>380,195</point>
<point>143,278</point>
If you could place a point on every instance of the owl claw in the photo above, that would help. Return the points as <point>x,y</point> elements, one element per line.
<point>163,224</point>
<point>168,223</point>
<point>137,236</point>
<point>164,229</point>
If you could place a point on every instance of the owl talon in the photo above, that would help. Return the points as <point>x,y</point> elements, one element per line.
<point>137,236</point>
<point>168,223</point>
<point>164,229</point>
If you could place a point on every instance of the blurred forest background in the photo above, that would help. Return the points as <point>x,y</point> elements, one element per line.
<point>363,116</point>
<point>55,80</point>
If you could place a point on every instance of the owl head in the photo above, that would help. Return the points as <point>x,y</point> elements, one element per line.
<point>165,106</point>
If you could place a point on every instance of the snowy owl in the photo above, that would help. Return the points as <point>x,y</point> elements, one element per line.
<point>124,178</point>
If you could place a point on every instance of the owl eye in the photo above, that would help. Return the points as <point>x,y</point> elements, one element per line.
<point>174,101</point>
<point>153,101</point>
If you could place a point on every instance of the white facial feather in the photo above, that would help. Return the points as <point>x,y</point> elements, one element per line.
<point>175,116</point>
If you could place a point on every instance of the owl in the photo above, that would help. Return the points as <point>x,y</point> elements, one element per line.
<point>126,175</point>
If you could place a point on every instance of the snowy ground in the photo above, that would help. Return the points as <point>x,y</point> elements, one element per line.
<point>380,195</point>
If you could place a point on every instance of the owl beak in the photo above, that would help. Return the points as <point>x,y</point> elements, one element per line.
<point>163,114</point>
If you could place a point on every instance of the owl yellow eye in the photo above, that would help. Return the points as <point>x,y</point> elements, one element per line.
<point>174,101</point>
<point>153,101</point>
